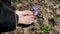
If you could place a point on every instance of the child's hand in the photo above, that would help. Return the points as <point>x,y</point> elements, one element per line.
<point>25,17</point>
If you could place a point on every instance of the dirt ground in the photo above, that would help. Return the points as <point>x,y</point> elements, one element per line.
<point>47,21</point>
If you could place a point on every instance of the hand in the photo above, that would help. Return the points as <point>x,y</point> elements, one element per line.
<point>25,17</point>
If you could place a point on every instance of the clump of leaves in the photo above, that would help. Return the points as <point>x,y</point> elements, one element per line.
<point>41,21</point>
<point>45,29</point>
<point>56,16</point>
<point>36,27</point>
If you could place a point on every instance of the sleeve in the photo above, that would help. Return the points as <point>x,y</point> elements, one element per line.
<point>7,19</point>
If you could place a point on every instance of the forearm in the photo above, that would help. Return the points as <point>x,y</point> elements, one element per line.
<point>18,13</point>
<point>7,20</point>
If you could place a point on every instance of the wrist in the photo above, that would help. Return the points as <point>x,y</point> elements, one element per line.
<point>16,12</point>
<point>19,13</point>
<point>19,16</point>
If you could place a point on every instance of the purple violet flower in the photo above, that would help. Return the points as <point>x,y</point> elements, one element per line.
<point>35,10</point>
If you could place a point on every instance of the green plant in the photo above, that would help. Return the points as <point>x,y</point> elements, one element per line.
<point>36,27</point>
<point>56,16</point>
<point>41,21</point>
<point>45,29</point>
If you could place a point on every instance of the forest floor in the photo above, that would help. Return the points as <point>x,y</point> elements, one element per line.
<point>47,17</point>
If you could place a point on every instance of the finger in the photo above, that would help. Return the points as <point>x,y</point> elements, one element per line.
<point>30,22</point>
<point>31,16</point>
<point>28,11</point>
